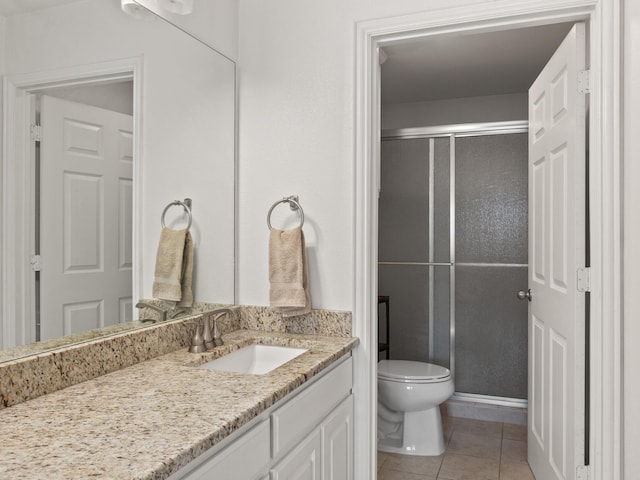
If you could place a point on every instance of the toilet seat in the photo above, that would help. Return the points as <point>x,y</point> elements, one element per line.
<point>406,371</point>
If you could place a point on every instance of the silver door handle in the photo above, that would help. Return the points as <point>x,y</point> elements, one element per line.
<point>522,294</point>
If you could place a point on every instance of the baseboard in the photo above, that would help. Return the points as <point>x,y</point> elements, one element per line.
<point>485,411</point>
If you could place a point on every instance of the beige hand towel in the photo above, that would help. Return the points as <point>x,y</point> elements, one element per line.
<point>187,272</point>
<point>174,267</point>
<point>289,289</point>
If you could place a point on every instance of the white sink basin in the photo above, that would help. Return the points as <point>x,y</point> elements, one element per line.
<point>255,359</point>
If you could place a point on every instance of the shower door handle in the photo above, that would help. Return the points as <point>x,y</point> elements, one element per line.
<point>522,294</point>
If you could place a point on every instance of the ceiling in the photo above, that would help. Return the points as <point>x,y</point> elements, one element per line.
<point>11,7</point>
<point>444,67</point>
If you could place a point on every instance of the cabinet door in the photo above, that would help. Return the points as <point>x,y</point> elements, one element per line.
<point>337,443</point>
<point>303,463</point>
<point>303,413</point>
<point>247,458</point>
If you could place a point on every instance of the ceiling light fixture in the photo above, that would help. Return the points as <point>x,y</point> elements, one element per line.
<point>137,11</point>
<point>144,10</point>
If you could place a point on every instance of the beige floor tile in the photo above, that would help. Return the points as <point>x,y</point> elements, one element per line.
<point>515,471</point>
<point>514,432</point>
<point>447,428</point>
<point>514,450</point>
<point>382,457</point>
<point>386,474</point>
<point>414,464</point>
<point>474,445</point>
<point>477,427</point>
<point>463,467</point>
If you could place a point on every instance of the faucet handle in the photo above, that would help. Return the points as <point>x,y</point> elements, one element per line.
<point>217,338</point>
<point>206,334</point>
<point>197,342</point>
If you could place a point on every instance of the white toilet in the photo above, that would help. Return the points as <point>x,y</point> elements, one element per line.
<point>409,398</point>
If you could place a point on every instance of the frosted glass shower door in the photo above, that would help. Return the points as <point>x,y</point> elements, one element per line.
<point>491,265</point>
<point>452,287</point>
<point>414,247</point>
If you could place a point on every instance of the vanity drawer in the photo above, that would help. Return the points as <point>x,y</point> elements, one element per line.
<point>301,414</point>
<point>248,457</point>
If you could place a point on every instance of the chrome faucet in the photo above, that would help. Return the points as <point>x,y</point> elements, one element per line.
<point>160,310</point>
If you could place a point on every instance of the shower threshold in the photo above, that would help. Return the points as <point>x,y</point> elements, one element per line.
<point>487,407</point>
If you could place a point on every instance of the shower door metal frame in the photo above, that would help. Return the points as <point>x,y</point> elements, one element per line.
<point>452,132</point>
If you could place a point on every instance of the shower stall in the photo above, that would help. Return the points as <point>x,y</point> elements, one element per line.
<point>453,253</point>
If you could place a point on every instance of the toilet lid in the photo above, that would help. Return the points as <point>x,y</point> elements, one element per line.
<point>408,371</point>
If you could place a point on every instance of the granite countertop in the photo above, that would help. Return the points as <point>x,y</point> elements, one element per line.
<point>148,420</point>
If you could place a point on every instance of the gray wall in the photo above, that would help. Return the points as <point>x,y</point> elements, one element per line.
<point>492,108</point>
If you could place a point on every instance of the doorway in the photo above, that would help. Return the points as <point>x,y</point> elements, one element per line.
<point>373,35</point>
<point>20,230</point>
<point>83,169</point>
<point>483,236</point>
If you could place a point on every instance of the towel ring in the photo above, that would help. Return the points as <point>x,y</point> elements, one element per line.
<point>187,208</point>
<point>293,203</point>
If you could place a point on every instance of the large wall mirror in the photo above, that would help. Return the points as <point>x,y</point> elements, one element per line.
<point>157,100</point>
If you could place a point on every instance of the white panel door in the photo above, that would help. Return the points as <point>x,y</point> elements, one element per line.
<point>556,250</point>
<point>86,195</point>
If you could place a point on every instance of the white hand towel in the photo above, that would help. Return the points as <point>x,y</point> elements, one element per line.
<point>289,289</point>
<point>174,267</point>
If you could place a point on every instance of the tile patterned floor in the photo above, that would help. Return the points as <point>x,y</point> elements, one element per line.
<point>476,450</point>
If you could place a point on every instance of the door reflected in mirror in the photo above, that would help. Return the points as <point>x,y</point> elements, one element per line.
<point>142,114</point>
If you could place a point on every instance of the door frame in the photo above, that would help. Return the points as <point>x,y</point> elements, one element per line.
<point>605,369</point>
<point>17,282</point>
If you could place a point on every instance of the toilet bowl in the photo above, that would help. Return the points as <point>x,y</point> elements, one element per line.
<point>409,398</point>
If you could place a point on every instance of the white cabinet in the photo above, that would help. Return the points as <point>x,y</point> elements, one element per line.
<point>307,436</point>
<point>337,443</point>
<point>300,415</point>
<point>233,461</point>
<point>324,454</point>
<point>316,427</point>
<point>303,463</point>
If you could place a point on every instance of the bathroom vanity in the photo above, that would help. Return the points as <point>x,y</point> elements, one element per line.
<point>310,431</point>
<point>168,418</point>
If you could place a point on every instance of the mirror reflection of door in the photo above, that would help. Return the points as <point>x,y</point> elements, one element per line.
<point>85,160</point>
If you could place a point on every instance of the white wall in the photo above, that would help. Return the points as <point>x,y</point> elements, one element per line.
<point>491,108</point>
<point>631,252</point>
<point>187,114</point>
<point>296,136</point>
<point>2,69</point>
<point>2,36</point>
<point>117,97</point>
<point>215,22</point>
<point>296,132</point>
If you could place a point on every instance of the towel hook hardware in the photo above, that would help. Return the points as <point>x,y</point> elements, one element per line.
<point>293,202</point>
<point>186,204</point>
